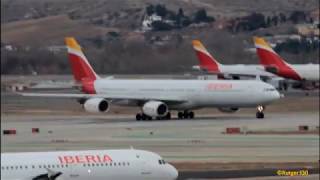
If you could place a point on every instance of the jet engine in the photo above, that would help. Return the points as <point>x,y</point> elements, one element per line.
<point>155,109</point>
<point>228,109</point>
<point>95,105</point>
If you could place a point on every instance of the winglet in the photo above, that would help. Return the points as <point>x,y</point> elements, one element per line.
<point>207,61</point>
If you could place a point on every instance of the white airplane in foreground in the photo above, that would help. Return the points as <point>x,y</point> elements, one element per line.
<point>84,165</point>
<point>210,65</point>
<point>158,97</point>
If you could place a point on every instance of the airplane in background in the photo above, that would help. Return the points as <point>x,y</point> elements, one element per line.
<point>83,165</point>
<point>158,97</point>
<point>210,65</point>
<point>275,64</point>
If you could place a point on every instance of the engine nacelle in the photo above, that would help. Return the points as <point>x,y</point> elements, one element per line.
<point>228,109</point>
<point>155,109</point>
<point>96,105</point>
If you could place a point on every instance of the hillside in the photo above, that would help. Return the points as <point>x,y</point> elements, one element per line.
<point>111,33</point>
<point>13,10</point>
<point>48,30</point>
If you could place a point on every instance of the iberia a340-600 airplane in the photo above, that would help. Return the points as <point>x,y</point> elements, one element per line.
<point>157,97</point>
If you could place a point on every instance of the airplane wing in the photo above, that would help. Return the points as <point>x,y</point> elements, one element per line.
<point>49,175</point>
<point>138,97</point>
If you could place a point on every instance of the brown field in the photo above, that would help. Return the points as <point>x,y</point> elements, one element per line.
<point>53,29</point>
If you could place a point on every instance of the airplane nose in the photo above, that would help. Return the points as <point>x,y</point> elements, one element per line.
<point>277,95</point>
<point>173,173</point>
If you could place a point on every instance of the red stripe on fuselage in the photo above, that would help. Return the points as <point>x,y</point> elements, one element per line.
<point>206,62</point>
<point>269,59</point>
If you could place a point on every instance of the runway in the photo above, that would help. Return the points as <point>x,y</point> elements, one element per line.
<point>199,148</point>
<point>176,140</point>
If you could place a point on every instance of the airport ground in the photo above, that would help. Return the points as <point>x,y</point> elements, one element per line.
<point>198,147</point>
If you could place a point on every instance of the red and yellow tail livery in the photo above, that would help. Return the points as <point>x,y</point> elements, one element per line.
<point>81,69</point>
<point>272,61</point>
<point>207,61</point>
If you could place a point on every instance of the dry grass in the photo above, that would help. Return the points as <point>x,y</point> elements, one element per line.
<point>45,31</point>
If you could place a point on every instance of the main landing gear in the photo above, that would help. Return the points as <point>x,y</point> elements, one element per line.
<point>260,114</point>
<point>186,114</point>
<point>144,117</point>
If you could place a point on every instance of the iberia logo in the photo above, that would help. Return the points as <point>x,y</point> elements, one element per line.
<point>75,159</point>
<point>219,86</point>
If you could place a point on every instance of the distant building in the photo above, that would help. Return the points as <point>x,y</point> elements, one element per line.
<point>9,47</point>
<point>308,29</point>
<point>148,20</point>
<point>56,49</point>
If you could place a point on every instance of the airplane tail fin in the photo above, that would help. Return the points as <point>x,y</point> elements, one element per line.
<point>207,61</point>
<point>268,57</point>
<point>80,66</point>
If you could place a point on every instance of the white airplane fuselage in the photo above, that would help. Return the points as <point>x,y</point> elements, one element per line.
<point>84,165</point>
<point>308,72</point>
<point>193,93</point>
<point>241,70</point>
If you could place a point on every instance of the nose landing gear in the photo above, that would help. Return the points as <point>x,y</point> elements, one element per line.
<point>260,114</point>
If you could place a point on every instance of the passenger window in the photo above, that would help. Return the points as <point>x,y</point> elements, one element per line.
<point>66,165</point>
<point>123,163</point>
<point>160,162</point>
<point>33,166</point>
<point>115,164</point>
<point>106,164</point>
<point>119,164</point>
<point>49,166</point>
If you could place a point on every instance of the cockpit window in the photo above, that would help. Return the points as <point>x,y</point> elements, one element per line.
<point>161,161</point>
<point>269,89</point>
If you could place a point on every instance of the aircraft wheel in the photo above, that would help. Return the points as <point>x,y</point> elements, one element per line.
<point>260,115</point>
<point>186,114</point>
<point>168,116</point>
<point>191,115</point>
<point>144,117</point>
<point>180,115</point>
<point>138,117</point>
